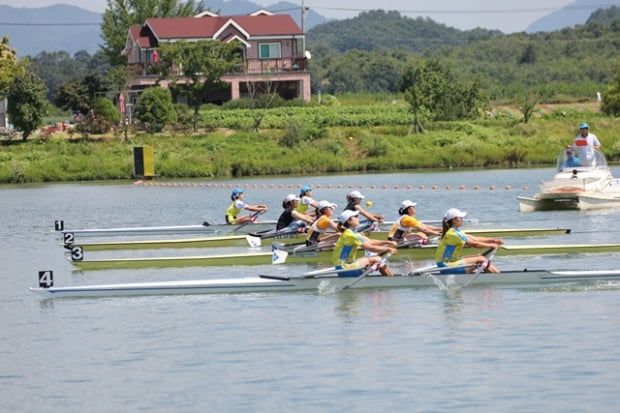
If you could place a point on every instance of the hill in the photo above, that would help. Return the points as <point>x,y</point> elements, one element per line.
<point>569,16</point>
<point>389,30</point>
<point>53,28</point>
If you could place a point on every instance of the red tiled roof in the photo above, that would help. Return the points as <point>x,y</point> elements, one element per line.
<point>206,27</point>
<point>143,36</point>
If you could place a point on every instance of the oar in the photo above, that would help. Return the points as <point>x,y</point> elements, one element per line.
<point>253,242</point>
<point>251,220</point>
<point>368,270</point>
<point>367,225</point>
<point>294,228</point>
<point>279,256</point>
<point>491,252</point>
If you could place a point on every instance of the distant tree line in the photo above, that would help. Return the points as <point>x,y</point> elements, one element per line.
<point>442,72</point>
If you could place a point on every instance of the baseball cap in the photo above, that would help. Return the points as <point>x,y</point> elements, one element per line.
<point>237,191</point>
<point>290,198</point>
<point>305,189</point>
<point>454,213</point>
<point>346,215</point>
<point>356,195</point>
<point>327,204</point>
<point>407,203</point>
<point>584,125</point>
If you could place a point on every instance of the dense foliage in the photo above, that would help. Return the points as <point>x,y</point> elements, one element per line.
<point>59,68</point>
<point>572,63</point>
<point>155,109</point>
<point>27,103</point>
<point>314,140</point>
<point>9,65</point>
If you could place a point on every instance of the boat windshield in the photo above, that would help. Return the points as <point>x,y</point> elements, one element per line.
<point>586,158</point>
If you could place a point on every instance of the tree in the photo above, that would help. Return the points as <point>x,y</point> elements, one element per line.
<point>204,62</point>
<point>119,15</point>
<point>154,107</point>
<point>431,88</point>
<point>610,104</point>
<point>9,65</point>
<point>527,103</point>
<point>78,95</point>
<point>27,102</point>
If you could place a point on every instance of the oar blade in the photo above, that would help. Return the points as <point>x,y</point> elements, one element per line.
<point>253,242</point>
<point>279,256</point>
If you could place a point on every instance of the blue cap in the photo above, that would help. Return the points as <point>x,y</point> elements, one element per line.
<point>237,191</point>
<point>305,189</point>
<point>583,125</point>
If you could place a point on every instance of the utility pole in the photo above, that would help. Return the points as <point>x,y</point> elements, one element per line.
<point>304,10</point>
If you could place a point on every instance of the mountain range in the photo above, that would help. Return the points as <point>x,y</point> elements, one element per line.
<point>71,29</point>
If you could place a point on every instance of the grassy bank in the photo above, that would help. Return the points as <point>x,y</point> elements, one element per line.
<point>350,139</point>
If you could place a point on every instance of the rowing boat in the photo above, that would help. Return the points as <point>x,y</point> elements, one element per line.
<point>167,230</point>
<point>76,257</point>
<point>221,229</point>
<point>321,283</point>
<point>245,240</point>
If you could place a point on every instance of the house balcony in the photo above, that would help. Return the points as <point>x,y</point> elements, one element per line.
<point>149,73</point>
<point>288,72</point>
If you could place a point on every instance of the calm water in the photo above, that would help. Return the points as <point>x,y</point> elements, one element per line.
<point>479,349</point>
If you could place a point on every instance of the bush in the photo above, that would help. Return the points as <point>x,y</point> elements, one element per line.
<point>155,108</point>
<point>105,109</point>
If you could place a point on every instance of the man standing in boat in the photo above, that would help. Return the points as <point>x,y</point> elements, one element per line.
<point>584,144</point>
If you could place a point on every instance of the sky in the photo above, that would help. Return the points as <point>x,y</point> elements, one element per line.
<point>509,16</point>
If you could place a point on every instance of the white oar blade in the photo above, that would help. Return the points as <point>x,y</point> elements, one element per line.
<point>254,242</point>
<point>279,256</point>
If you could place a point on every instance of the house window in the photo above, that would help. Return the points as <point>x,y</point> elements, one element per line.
<point>270,51</point>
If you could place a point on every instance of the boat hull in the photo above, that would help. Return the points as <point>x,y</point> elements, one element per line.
<point>324,257</point>
<point>322,283</point>
<point>242,240</point>
<point>582,187</point>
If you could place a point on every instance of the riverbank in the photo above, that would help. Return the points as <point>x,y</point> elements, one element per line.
<point>302,144</point>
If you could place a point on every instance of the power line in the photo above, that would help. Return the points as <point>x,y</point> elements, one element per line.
<point>420,11</point>
<point>479,11</point>
<point>49,24</point>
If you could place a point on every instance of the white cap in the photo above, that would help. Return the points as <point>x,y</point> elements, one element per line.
<point>291,197</point>
<point>346,215</point>
<point>407,203</point>
<point>327,204</point>
<point>356,195</point>
<point>454,213</point>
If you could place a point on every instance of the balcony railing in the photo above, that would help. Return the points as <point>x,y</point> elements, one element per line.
<point>290,64</point>
<point>252,66</point>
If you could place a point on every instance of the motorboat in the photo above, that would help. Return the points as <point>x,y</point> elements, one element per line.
<point>582,181</point>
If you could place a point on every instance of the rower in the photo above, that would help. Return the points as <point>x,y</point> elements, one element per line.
<point>403,229</point>
<point>290,214</point>
<point>323,230</point>
<point>306,201</point>
<point>233,211</point>
<point>452,242</point>
<point>354,200</point>
<point>345,251</point>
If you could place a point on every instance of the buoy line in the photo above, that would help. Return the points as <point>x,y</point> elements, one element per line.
<point>420,187</point>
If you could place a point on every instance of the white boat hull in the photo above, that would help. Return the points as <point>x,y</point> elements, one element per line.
<point>576,188</point>
<point>321,283</point>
